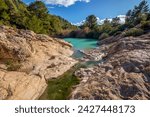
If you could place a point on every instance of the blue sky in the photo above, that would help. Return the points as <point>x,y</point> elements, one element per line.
<point>77,10</point>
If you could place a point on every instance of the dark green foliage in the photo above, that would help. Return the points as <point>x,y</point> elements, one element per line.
<point>145,25</point>
<point>35,24</point>
<point>4,16</point>
<point>33,17</point>
<point>60,88</point>
<point>138,14</point>
<point>138,17</point>
<point>115,21</point>
<point>143,7</point>
<point>3,6</point>
<point>133,32</point>
<point>90,34</point>
<point>91,22</point>
<point>38,8</point>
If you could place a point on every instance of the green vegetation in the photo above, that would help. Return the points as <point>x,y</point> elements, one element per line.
<point>91,22</point>
<point>103,36</point>
<point>138,14</point>
<point>145,25</point>
<point>133,32</point>
<point>60,88</point>
<point>36,17</point>
<point>33,17</point>
<point>12,65</point>
<point>137,22</point>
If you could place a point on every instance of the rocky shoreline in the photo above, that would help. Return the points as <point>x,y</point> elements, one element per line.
<point>124,74</point>
<point>27,60</point>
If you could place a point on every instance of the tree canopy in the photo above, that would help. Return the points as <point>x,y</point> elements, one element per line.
<point>138,14</point>
<point>34,17</point>
<point>91,21</point>
<point>137,22</point>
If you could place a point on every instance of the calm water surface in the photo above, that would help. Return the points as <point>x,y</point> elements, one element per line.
<point>61,87</point>
<point>81,44</point>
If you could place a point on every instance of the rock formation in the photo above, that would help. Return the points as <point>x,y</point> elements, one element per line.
<point>27,60</point>
<point>124,73</point>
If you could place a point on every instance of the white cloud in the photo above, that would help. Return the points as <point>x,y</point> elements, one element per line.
<point>101,21</point>
<point>79,23</point>
<point>65,3</point>
<point>122,19</point>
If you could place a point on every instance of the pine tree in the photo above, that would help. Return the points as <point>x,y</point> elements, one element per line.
<point>138,14</point>
<point>115,21</point>
<point>38,8</point>
<point>91,22</point>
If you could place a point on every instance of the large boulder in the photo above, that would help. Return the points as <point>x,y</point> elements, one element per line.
<point>27,60</point>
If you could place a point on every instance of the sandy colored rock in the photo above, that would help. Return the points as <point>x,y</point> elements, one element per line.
<point>27,60</point>
<point>124,73</point>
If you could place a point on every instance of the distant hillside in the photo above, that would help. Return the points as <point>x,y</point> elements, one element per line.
<point>33,17</point>
<point>137,22</point>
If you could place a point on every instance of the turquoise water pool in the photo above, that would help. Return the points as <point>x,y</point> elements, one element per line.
<point>61,87</point>
<point>81,44</point>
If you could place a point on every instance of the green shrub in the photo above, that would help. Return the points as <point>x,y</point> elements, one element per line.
<point>90,34</point>
<point>117,33</point>
<point>12,65</point>
<point>113,31</point>
<point>133,32</point>
<point>145,25</point>
<point>103,36</point>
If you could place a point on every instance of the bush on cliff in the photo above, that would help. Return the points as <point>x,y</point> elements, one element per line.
<point>133,32</point>
<point>145,25</point>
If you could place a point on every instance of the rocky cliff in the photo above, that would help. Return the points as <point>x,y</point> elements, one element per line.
<point>27,60</point>
<point>123,74</point>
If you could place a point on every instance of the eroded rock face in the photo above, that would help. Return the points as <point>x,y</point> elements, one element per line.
<point>27,60</point>
<point>124,74</point>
